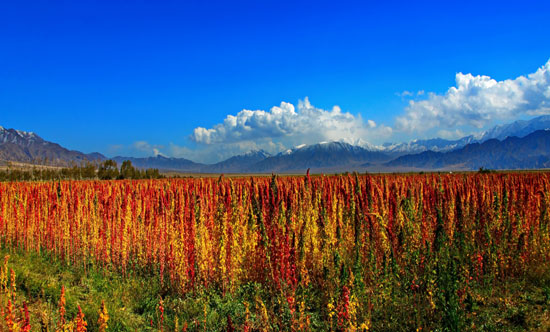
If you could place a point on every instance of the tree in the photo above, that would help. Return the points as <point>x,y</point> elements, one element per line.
<point>108,170</point>
<point>127,171</point>
<point>88,170</point>
<point>152,173</point>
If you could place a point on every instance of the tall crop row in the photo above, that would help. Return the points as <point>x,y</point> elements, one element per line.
<point>351,241</point>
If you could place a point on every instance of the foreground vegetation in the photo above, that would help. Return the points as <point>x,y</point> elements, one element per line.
<point>346,253</point>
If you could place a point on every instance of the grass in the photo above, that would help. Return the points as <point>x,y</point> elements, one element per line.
<point>40,278</point>
<point>132,302</point>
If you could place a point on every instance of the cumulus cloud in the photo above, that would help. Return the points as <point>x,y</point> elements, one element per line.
<point>287,125</point>
<point>478,101</point>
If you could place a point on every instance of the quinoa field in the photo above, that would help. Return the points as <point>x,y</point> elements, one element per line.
<point>353,252</point>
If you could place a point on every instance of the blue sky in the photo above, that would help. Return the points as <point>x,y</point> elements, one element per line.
<point>134,78</point>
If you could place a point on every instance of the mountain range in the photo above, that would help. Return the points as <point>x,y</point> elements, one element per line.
<point>518,128</point>
<point>27,147</point>
<point>518,145</point>
<point>529,152</point>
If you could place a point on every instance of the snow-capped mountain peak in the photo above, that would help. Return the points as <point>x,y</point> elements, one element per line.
<point>256,153</point>
<point>518,128</point>
<point>18,137</point>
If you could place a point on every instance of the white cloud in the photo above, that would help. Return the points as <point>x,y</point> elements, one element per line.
<point>216,152</point>
<point>451,134</point>
<point>478,101</point>
<point>405,94</point>
<point>287,125</point>
<point>156,152</point>
<point>145,147</point>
